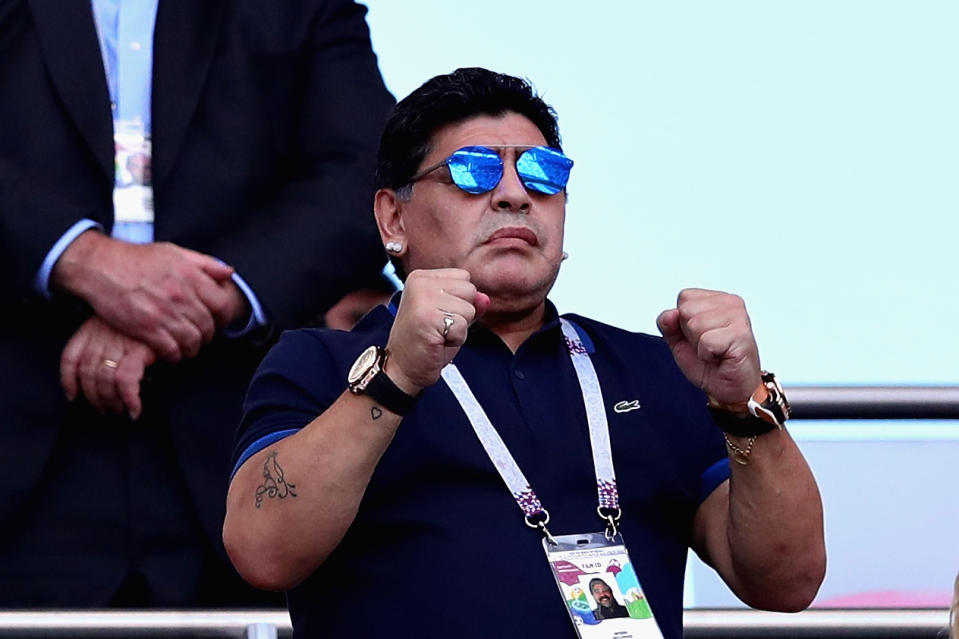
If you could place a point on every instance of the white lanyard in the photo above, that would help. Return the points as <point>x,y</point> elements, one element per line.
<point>535,514</point>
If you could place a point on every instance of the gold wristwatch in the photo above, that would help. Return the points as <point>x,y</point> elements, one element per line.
<point>367,377</point>
<point>767,409</point>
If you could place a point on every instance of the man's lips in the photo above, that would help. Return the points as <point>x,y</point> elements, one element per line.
<point>514,232</point>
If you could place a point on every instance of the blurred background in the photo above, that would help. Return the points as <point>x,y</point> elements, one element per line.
<point>801,154</point>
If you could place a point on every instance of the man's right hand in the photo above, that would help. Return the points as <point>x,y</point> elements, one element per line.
<point>166,296</point>
<point>418,349</point>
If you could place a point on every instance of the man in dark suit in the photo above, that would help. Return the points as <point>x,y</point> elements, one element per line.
<point>253,216</point>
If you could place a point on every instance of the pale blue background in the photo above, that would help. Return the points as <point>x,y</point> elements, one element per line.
<point>802,154</point>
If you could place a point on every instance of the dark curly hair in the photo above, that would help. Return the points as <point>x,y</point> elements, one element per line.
<point>447,99</point>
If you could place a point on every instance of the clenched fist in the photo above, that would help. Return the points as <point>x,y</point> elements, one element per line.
<point>435,313</point>
<point>712,341</point>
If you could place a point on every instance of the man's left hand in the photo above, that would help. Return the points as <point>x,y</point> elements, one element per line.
<point>106,366</point>
<point>712,341</point>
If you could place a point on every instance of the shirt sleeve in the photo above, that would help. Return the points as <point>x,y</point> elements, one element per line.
<point>713,477</point>
<point>712,458</point>
<point>42,280</point>
<point>257,317</point>
<point>296,382</point>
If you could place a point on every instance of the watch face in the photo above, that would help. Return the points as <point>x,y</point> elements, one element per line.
<point>362,365</point>
<point>777,401</point>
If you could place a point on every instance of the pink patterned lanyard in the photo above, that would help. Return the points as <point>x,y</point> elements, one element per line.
<point>535,515</point>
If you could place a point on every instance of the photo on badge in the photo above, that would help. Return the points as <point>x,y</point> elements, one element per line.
<point>600,588</point>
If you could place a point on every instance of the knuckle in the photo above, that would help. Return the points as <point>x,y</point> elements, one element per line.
<point>176,295</point>
<point>194,335</point>
<point>170,352</point>
<point>146,314</point>
<point>710,339</point>
<point>172,289</point>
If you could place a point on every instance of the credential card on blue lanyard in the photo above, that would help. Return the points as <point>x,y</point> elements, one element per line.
<point>599,586</point>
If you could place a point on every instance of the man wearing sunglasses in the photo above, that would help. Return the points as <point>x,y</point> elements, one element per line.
<point>385,458</point>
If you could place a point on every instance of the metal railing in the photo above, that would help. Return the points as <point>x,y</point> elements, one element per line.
<point>874,402</point>
<point>246,624</point>
<point>267,624</point>
<point>822,624</point>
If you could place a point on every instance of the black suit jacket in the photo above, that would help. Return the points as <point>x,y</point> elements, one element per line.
<point>266,117</point>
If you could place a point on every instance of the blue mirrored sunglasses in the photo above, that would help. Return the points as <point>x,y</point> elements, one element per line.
<point>478,169</point>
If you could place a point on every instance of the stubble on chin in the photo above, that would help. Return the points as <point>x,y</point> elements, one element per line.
<point>513,297</point>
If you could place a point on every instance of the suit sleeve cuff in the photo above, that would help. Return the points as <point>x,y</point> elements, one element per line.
<point>42,281</point>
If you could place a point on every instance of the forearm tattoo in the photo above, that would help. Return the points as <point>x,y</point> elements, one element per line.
<point>274,484</point>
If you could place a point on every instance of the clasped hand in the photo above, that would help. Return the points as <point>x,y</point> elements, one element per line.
<point>151,302</point>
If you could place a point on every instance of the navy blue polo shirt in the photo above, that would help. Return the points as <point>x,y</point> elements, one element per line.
<point>438,547</point>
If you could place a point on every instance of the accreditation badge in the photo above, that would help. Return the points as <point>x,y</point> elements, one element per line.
<point>599,587</point>
<point>133,179</point>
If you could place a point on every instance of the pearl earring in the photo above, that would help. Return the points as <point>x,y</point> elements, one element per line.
<point>565,256</point>
<point>393,247</point>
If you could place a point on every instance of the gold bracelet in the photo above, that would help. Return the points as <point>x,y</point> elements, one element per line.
<point>741,455</point>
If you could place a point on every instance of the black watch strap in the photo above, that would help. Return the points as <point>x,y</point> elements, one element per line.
<point>383,391</point>
<point>752,418</point>
<point>738,424</point>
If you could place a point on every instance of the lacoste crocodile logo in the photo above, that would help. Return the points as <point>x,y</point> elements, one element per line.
<point>626,406</point>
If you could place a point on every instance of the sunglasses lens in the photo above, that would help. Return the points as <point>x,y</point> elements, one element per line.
<point>475,169</point>
<point>544,170</point>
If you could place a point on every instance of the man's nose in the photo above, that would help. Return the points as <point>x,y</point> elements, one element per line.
<point>510,196</point>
